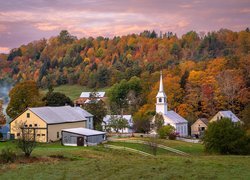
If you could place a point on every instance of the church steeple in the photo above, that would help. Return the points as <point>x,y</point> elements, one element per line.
<point>161,99</point>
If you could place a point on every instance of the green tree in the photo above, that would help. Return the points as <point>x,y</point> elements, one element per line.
<point>98,109</point>
<point>65,37</point>
<point>159,121</point>
<point>118,123</point>
<point>246,116</point>
<point>119,93</point>
<point>23,95</point>
<point>226,137</point>
<point>57,99</point>
<point>166,131</point>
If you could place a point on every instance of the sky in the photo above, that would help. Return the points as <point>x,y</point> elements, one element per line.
<point>23,21</point>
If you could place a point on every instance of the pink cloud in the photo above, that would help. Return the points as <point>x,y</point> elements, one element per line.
<point>4,50</point>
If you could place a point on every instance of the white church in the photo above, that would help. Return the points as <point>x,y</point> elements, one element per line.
<point>170,117</point>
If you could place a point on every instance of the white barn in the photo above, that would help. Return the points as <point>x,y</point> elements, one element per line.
<point>107,119</point>
<point>170,117</point>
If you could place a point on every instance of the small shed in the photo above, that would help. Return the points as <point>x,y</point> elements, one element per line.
<point>82,137</point>
<point>199,127</point>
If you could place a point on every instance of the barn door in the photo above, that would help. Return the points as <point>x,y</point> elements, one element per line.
<point>80,141</point>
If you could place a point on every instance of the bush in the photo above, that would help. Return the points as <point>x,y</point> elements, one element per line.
<point>166,131</point>
<point>226,137</point>
<point>172,135</point>
<point>8,155</point>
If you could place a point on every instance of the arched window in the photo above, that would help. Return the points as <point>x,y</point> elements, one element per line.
<point>159,99</point>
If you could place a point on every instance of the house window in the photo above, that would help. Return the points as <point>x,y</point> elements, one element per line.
<point>25,125</point>
<point>30,125</point>
<point>38,134</point>
<point>28,115</point>
<point>35,125</point>
<point>18,134</point>
<point>159,99</point>
<point>57,134</point>
<point>43,134</point>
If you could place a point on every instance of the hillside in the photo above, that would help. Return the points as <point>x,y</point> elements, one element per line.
<point>202,73</point>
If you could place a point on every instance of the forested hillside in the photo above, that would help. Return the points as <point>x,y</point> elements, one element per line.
<point>202,73</point>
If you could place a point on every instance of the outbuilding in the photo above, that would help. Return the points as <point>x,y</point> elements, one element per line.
<point>82,137</point>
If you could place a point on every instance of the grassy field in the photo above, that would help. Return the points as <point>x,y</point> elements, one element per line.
<point>102,163</point>
<point>72,91</point>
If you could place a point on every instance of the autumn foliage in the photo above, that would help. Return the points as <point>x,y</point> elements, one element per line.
<point>202,73</point>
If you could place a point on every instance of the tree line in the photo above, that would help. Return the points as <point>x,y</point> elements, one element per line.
<point>203,73</point>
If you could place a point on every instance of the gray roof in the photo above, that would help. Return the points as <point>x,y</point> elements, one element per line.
<point>61,114</point>
<point>174,117</point>
<point>229,114</point>
<point>84,131</point>
<point>204,120</point>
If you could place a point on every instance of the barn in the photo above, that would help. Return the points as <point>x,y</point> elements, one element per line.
<point>49,121</point>
<point>82,137</point>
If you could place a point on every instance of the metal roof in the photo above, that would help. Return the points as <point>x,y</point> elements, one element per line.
<point>174,117</point>
<point>61,114</point>
<point>107,118</point>
<point>87,94</point>
<point>229,114</point>
<point>84,131</point>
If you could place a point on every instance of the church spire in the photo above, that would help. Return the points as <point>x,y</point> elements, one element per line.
<point>161,84</point>
<point>161,99</point>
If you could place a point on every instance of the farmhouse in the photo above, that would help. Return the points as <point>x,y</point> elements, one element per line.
<point>225,114</point>
<point>82,137</point>
<point>107,119</point>
<point>49,121</point>
<point>86,96</point>
<point>199,126</point>
<point>170,117</point>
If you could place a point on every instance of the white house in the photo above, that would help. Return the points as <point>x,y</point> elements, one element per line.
<point>225,114</point>
<point>107,118</point>
<point>170,117</point>
<point>85,97</point>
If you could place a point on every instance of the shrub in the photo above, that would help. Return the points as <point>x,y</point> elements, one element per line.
<point>8,155</point>
<point>166,131</point>
<point>172,135</point>
<point>226,137</point>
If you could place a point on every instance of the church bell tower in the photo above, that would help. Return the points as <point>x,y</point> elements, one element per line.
<point>161,100</point>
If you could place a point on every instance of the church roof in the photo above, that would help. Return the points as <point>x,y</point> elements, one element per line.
<point>174,117</point>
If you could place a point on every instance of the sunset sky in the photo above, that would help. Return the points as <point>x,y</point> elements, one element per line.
<point>22,21</point>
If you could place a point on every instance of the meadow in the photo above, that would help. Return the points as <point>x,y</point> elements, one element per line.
<point>72,91</point>
<point>103,163</point>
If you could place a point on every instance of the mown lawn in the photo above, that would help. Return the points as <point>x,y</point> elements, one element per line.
<point>141,147</point>
<point>102,163</point>
<point>72,91</point>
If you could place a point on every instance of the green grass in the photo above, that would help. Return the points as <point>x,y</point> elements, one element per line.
<point>104,163</point>
<point>140,147</point>
<point>72,91</point>
<point>190,148</point>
